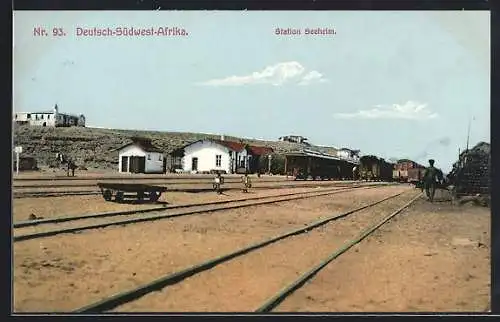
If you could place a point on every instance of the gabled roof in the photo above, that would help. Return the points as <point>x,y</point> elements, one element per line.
<point>260,150</point>
<point>234,146</point>
<point>144,145</point>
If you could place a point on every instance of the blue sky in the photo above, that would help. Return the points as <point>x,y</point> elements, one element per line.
<point>393,84</point>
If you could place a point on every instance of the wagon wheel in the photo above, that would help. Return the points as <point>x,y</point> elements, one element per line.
<point>119,196</point>
<point>140,195</point>
<point>107,195</point>
<point>154,196</point>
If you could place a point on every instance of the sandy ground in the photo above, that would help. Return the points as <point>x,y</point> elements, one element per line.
<point>241,285</point>
<point>171,211</point>
<point>433,257</point>
<point>65,272</point>
<point>51,207</point>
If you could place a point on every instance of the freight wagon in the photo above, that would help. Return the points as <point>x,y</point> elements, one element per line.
<point>404,168</point>
<point>415,175</point>
<point>307,164</point>
<point>400,175</point>
<point>376,169</point>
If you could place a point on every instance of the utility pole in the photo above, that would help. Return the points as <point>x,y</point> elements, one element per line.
<point>18,150</point>
<point>468,136</point>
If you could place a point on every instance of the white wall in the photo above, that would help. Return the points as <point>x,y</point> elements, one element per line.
<point>37,119</point>
<point>50,119</point>
<point>206,151</point>
<point>155,165</point>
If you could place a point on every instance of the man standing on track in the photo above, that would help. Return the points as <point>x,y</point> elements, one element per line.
<point>430,179</point>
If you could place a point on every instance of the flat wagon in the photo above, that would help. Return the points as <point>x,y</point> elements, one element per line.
<point>121,191</point>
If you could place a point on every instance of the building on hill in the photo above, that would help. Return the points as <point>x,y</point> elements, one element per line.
<point>140,156</point>
<point>294,139</point>
<point>211,155</point>
<point>49,118</point>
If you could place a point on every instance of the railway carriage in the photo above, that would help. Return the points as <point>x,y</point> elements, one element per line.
<point>318,166</point>
<point>407,171</point>
<point>372,168</point>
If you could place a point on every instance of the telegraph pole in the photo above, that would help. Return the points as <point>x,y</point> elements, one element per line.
<point>18,150</point>
<point>468,136</point>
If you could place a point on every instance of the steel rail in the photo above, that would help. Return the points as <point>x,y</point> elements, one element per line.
<point>29,223</point>
<point>159,217</point>
<point>163,177</point>
<point>87,185</point>
<point>113,301</point>
<point>45,194</point>
<point>275,300</point>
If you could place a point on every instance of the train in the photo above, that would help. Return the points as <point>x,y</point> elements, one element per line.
<point>318,167</point>
<point>372,168</point>
<point>407,171</point>
<point>369,168</point>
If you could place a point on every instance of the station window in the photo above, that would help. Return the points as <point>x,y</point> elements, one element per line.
<point>149,156</point>
<point>218,160</point>
<point>41,116</point>
<point>28,116</point>
<point>159,157</point>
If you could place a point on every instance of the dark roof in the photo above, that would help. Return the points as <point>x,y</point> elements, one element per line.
<point>145,145</point>
<point>260,150</point>
<point>235,146</point>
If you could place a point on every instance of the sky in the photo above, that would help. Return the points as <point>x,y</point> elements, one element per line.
<point>396,84</point>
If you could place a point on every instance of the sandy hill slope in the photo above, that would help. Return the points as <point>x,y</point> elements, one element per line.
<point>92,147</point>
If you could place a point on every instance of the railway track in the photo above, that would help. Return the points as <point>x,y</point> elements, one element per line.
<point>55,184</point>
<point>28,230</point>
<point>132,177</point>
<point>155,288</point>
<point>206,188</point>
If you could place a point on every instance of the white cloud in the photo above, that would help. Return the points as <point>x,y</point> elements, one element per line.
<point>311,77</point>
<point>409,111</point>
<point>277,75</point>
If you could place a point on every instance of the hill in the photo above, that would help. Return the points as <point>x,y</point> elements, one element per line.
<point>92,147</point>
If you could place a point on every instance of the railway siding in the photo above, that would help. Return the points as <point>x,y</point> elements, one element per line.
<point>243,283</point>
<point>108,261</point>
<point>51,229</point>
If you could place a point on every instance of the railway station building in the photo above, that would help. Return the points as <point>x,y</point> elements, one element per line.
<point>210,155</point>
<point>140,156</point>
